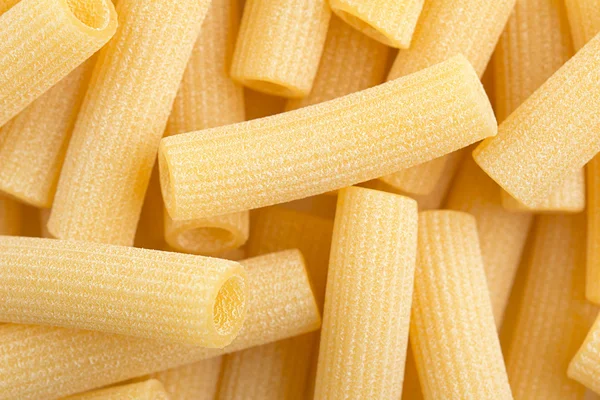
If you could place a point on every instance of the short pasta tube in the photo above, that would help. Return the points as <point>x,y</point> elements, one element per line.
<point>375,132</point>
<point>97,287</point>
<point>42,41</point>
<point>368,297</point>
<point>151,389</point>
<point>10,216</point>
<point>197,381</point>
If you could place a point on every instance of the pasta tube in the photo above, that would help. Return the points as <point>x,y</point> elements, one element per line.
<point>502,234</point>
<point>350,62</point>
<point>585,366</point>
<point>410,180</point>
<point>281,305</point>
<point>123,118</point>
<point>368,298</point>
<point>260,105</point>
<point>391,22</point>
<point>10,216</point>
<point>584,18</point>
<point>100,290</point>
<point>151,389</point>
<point>554,317</point>
<point>197,381</point>
<point>42,41</point>
<point>453,335</point>
<point>376,131</point>
<point>561,115</point>
<point>283,59</point>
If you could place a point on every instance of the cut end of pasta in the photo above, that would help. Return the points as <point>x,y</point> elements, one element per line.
<point>229,309</point>
<point>207,239</point>
<point>166,182</point>
<point>93,16</point>
<point>273,88</point>
<point>364,27</point>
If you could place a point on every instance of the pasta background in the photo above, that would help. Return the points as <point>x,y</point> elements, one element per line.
<point>260,105</point>
<point>151,389</point>
<point>197,381</point>
<point>150,229</point>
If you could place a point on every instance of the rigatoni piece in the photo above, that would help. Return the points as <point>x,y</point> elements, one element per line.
<point>151,389</point>
<point>368,299</point>
<point>327,146</point>
<point>585,366</point>
<point>280,44</point>
<point>42,41</point>
<point>584,18</point>
<point>10,216</point>
<point>281,305</point>
<point>197,381</point>
<point>108,165</point>
<point>411,180</point>
<point>452,334</point>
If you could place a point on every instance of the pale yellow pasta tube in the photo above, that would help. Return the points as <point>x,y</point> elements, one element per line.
<point>410,180</point>
<point>585,366</point>
<point>197,381</point>
<point>5,5</point>
<point>110,157</point>
<point>42,41</point>
<point>369,290</point>
<point>502,234</point>
<point>553,133</point>
<point>391,22</point>
<point>150,229</point>
<point>282,59</point>
<point>326,146</point>
<point>554,317</point>
<point>10,216</point>
<point>260,105</point>
<point>281,305</point>
<point>350,62</point>
<point>151,389</point>
<point>452,333</point>
<point>584,18</point>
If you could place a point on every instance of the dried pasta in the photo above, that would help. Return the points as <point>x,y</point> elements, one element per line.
<point>197,381</point>
<point>410,180</point>
<point>585,366</point>
<point>151,389</point>
<point>377,131</point>
<point>368,298</point>
<point>584,18</point>
<point>42,41</point>
<point>452,325</point>
<point>123,118</point>
<point>283,59</point>
<point>10,216</point>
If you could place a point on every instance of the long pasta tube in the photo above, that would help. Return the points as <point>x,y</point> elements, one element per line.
<point>123,118</point>
<point>10,216</point>
<point>42,41</point>
<point>377,131</point>
<point>584,18</point>
<point>453,335</point>
<point>197,381</point>
<point>502,234</point>
<point>281,305</point>
<point>368,299</point>
<point>551,134</point>
<point>97,287</point>
<point>283,59</point>
<point>151,389</point>
<point>554,317</point>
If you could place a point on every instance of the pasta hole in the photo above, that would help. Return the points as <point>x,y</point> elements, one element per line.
<point>93,13</point>
<point>230,306</point>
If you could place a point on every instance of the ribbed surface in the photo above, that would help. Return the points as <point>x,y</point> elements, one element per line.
<point>259,105</point>
<point>584,18</point>
<point>502,234</point>
<point>553,133</point>
<point>47,363</point>
<point>197,381</point>
<point>148,390</point>
<point>369,290</point>
<point>453,335</point>
<point>350,62</point>
<point>10,216</point>
<point>150,233</point>
<point>585,366</point>
<point>554,317</point>
<point>114,144</point>
<point>121,290</point>
<point>280,45</point>
<point>411,180</point>
<point>42,41</point>
<point>327,146</point>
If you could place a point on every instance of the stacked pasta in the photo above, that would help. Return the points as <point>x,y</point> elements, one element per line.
<point>299,199</point>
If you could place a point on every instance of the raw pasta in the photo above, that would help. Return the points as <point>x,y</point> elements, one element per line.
<point>584,18</point>
<point>151,389</point>
<point>197,381</point>
<point>10,216</point>
<point>585,366</point>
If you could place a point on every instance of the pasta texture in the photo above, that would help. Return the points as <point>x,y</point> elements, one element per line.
<point>283,59</point>
<point>585,366</point>
<point>281,305</point>
<point>368,300</point>
<point>551,135</point>
<point>554,316</point>
<point>122,290</point>
<point>452,326</point>
<point>5,5</point>
<point>197,381</point>
<point>411,180</point>
<point>375,131</point>
<point>584,18</point>
<point>10,216</point>
<point>42,41</point>
<point>502,234</point>
<point>151,389</point>
<point>123,118</point>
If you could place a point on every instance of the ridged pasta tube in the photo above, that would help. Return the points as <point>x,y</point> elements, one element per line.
<point>585,366</point>
<point>121,290</point>
<point>151,389</point>
<point>369,290</point>
<point>42,41</point>
<point>283,59</point>
<point>123,118</point>
<point>197,381</point>
<point>10,216</point>
<point>584,18</point>
<point>391,22</point>
<point>281,305</point>
<point>551,135</point>
<point>375,131</point>
<point>452,333</point>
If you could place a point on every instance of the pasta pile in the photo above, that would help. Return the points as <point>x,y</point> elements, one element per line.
<point>299,199</point>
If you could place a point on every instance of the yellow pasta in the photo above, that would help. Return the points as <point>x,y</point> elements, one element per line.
<point>43,218</point>
<point>260,105</point>
<point>30,222</point>
<point>109,161</point>
<point>584,18</point>
<point>53,360</point>
<point>551,134</point>
<point>5,5</point>
<point>554,317</point>
<point>151,389</point>
<point>391,22</point>
<point>453,335</point>
<point>326,146</point>
<point>322,205</point>
<point>369,291</point>
<point>502,234</point>
<point>150,229</point>
<point>350,62</point>
<point>10,216</point>
<point>410,180</point>
<point>585,366</point>
<point>411,388</point>
<point>197,381</point>
<point>42,41</point>
<point>280,44</point>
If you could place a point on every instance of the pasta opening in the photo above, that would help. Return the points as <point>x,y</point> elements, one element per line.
<point>230,306</point>
<point>273,88</point>
<point>207,240</point>
<point>364,27</point>
<point>94,14</point>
